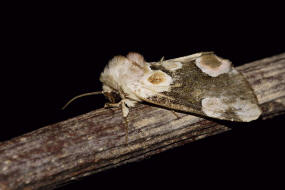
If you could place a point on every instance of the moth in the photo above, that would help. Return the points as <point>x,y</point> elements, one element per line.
<point>203,84</point>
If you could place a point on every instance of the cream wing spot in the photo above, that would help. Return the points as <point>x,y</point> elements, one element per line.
<point>243,109</point>
<point>246,110</point>
<point>157,78</point>
<point>172,65</point>
<point>152,83</point>
<point>214,107</point>
<point>213,65</point>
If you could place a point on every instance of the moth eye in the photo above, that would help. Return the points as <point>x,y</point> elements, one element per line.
<point>156,78</point>
<point>112,97</point>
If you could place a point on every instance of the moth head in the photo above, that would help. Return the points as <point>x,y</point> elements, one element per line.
<point>113,97</point>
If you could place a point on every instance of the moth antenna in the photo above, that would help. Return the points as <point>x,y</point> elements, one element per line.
<point>81,95</point>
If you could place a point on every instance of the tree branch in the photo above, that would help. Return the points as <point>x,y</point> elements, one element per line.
<point>95,141</point>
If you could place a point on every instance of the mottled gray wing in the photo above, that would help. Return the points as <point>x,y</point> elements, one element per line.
<point>208,85</point>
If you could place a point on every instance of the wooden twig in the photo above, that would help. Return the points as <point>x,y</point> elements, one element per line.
<point>95,141</point>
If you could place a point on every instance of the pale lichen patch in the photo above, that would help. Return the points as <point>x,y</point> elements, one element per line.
<point>213,65</point>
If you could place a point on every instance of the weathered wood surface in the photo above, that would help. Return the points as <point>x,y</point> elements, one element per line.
<point>89,143</point>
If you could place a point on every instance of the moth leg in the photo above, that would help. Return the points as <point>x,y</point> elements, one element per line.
<point>109,106</point>
<point>125,111</point>
<point>126,119</point>
<point>112,105</point>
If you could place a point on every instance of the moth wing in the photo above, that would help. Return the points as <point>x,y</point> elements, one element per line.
<point>207,85</point>
<point>169,102</point>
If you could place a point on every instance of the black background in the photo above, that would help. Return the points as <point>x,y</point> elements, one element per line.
<point>53,52</point>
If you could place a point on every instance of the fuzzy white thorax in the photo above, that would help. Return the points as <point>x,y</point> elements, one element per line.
<point>133,79</point>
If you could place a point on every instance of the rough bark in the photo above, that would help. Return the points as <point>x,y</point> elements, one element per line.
<point>90,143</point>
